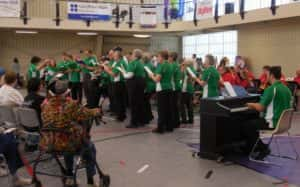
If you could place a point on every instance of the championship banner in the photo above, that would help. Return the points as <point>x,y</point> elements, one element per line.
<point>89,11</point>
<point>148,16</point>
<point>204,9</point>
<point>10,8</point>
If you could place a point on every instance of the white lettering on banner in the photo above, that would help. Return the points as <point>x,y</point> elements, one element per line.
<point>204,9</point>
<point>89,11</point>
<point>148,16</point>
<point>10,8</point>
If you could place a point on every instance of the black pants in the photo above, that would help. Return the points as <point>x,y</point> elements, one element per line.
<point>250,131</point>
<point>119,98</point>
<point>175,109</point>
<point>110,93</point>
<point>76,91</point>
<point>93,95</point>
<point>186,107</point>
<point>147,106</point>
<point>136,87</point>
<point>163,109</point>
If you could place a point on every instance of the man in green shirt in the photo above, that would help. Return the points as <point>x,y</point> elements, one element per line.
<point>51,70</point>
<point>210,78</point>
<point>150,88</point>
<point>186,101</point>
<point>90,84</point>
<point>119,88</point>
<point>63,66</point>
<point>176,89</point>
<point>273,102</point>
<point>35,67</point>
<point>163,78</point>
<point>135,76</point>
<point>75,80</point>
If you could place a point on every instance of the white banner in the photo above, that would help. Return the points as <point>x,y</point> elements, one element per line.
<point>10,8</point>
<point>148,16</point>
<point>204,9</point>
<point>89,11</point>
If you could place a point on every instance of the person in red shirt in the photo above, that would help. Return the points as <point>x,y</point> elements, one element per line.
<point>264,77</point>
<point>244,76</point>
<point>297,78</point>
<point>283,79</point>
<point>227,75</point>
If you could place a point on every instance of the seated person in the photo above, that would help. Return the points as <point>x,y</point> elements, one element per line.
<point>9,148</point>
<point>275,99</point>
<point>297,77</point>
<point>264,82</point>
<point>33,98</point>
<point>9,96</point>
<point>61,112</point>
<point>227,75</point>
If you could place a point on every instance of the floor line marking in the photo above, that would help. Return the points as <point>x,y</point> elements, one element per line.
<point>143,169</point>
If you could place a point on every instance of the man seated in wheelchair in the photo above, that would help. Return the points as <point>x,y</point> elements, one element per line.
<point>63,130</point>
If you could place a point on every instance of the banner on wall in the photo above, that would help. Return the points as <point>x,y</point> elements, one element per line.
<point>148,16</point>
<point>89,11</point>
<point>204,9</point>
<point>10,8</point>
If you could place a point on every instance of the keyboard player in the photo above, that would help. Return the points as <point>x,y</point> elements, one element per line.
<point>273,102</point>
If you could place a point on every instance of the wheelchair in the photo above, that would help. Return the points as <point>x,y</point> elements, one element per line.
<point>78,157</point>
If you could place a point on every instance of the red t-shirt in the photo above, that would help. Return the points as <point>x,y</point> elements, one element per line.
<point>229,77</point>
<point>243,82</point>
<point>297,79</point>
<point>263,78</point>
<point>282,79</point>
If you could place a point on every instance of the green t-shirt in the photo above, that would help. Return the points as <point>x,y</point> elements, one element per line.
<point>150,84</point>
<point>51,71</point>
<point>74,75</point>
<point>176,76</point>
<point>165,70</point>
<point>89,61</point>
<point>211,76</point>
<point>110,64</point>
<point>137,68</point>
<point>275,99</point>
<point>122,64</point>
<point>33,72</point>
<point>62,67</point>
<point>105,79</point>
<point>187,81</point>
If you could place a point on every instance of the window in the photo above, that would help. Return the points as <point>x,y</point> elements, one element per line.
<point>219,44</point>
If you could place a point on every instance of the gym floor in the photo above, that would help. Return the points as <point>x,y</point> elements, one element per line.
<point>139,158</point>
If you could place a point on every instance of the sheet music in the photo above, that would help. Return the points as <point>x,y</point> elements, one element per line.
<point>148,71</point>
<point>190,72</point>
<point>229,89</point>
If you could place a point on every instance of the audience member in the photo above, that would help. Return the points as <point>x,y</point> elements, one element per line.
<point>33,98</point>
<point>10,96</point>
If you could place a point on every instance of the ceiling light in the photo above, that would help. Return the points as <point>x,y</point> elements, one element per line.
<point>87,33</point>
<point>26,32</point>
<point>141,36</point>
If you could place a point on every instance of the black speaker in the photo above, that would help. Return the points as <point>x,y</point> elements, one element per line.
<point>229,8</point>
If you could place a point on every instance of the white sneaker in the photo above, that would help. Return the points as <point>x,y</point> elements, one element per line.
<point>19,181</point>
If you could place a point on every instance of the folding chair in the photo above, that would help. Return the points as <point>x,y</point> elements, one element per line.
<point>293,86</point>
<point>28,119</point>
<point>283,126</point>
<point>7,117</point>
